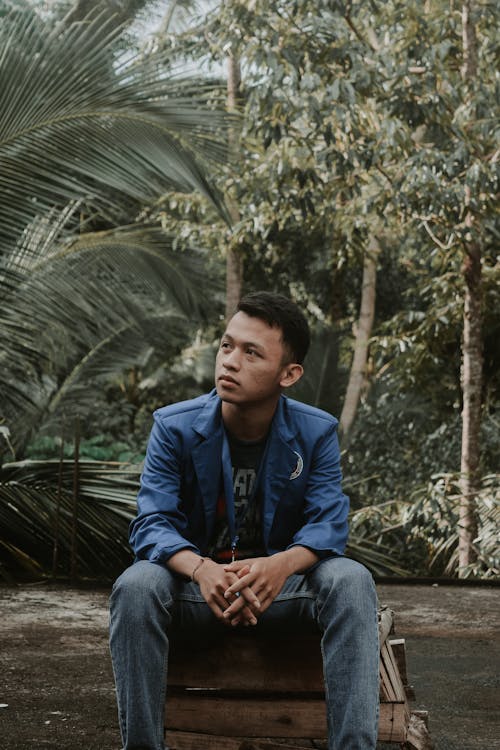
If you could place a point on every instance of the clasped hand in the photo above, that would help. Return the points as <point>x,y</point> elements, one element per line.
<point>258,581</point>
<point>238,593</point>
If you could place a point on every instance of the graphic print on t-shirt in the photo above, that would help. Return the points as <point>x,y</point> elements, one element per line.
<point>245,459</point>
<point>243,482</point>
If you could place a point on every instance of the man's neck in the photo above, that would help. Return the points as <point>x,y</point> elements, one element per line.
<point>247,423</point>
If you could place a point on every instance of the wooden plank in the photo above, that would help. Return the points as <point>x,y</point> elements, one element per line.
<point>196,741</point>
<point>418,732</point>
<point>398,646</point>
<point>261,660</point>
<point>283,718</point>
<point>244,661</point>
<point>386,686</point>
<point>393,723</point>
<point>393,693</point>
<point>227,716</point>
<point>393,670</point>
<point>385,624</point>
<point>291,705</point>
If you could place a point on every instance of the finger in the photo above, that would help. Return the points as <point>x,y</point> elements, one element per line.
<point>239,605</point>
<point>241,582</point>
<point>218,604</point>
<point>237,567</point>
<point>238,590</point>
<point>244,571</point>
<point>235,605</point>
<point>244,616</point>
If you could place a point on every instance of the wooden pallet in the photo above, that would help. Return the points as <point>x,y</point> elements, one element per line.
<point>245,692</point>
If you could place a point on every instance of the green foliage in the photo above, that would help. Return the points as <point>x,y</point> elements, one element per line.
<point>402,438</point>
<point>400,441</point>
<point>80,305</point>
<point>397,443</point>
<point>87,310</point>
<point>111,133</point>
<point>421,532</point>
<point>38,512</point>
<point>433,517</point>
<point>97,448</point>
<point>355,122</point>
<point>382,528</point>
<point>89,135</point>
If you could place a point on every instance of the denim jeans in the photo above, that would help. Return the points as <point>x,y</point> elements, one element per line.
<point>337,596</point>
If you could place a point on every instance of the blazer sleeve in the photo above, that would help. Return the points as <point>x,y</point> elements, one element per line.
<point>326,507</point>
<point>160,528</point>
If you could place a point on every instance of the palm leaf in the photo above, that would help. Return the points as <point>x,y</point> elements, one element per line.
<point>33,511</point>
<point>88,309</point>
<point>77,121</point>
<point>106,505</point>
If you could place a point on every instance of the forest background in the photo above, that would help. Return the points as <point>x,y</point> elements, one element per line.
<point>159,158</point>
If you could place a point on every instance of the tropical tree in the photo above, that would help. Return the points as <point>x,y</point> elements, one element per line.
<point>371,124</point>
<point>443,95</point>
<point>362,169</point>
<point>88,136</point>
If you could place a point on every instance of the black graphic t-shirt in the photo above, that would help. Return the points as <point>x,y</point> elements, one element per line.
<point>245,460</point>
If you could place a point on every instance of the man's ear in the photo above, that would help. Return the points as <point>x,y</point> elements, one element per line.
<point>291,374</point>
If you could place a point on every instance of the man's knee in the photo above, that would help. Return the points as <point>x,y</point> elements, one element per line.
<point>344,573</point>
<point>140,584</point>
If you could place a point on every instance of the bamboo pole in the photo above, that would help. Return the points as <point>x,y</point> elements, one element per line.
<point>74,521</point>
<point>57,519</point>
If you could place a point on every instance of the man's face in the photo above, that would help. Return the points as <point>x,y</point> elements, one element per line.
<point>250,362</point>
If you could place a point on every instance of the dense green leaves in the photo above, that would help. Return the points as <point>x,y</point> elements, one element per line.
<point>356,123</point>
<point>101,303</point>
<point>80,121</point>
<point>88,135</point>
<point>38,513</point>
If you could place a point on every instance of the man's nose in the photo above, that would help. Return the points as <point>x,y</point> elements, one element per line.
<point>232,359</point>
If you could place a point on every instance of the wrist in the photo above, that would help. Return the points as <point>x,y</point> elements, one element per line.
<point>196,568</point>
<point>298,559</point>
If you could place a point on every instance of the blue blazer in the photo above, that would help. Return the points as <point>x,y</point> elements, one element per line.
<point>188,461</point>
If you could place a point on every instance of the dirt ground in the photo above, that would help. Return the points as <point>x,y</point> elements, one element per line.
<point>56,685</point>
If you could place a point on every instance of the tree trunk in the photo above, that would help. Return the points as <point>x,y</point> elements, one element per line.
<point>357,376</point>
<point>472,349</point>
<point>234,260</point>
<point>472,381</point>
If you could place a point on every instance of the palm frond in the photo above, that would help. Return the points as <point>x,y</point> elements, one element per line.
<point>29,498</point>
<point>35,513</point>
<point>77,121</point>
<point>377,558</point>
<point>91,307</point>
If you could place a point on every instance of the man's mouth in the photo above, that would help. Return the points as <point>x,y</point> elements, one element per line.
<point>227,379</point>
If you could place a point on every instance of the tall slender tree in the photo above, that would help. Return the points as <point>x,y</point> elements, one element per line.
<point>472,348</point>
<point>363,330</point>
<point>234,259</point>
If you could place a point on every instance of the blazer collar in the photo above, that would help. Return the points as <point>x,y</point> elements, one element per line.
<point>207,455</point>
<point>209,420</point>
<point>282,462</point>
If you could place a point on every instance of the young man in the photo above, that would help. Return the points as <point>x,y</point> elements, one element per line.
<point>242,522</point>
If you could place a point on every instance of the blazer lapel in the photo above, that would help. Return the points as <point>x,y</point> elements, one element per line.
<point>281,463</point>
<point>207,458</point>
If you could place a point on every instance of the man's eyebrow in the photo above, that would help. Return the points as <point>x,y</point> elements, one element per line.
<point>252,344</point>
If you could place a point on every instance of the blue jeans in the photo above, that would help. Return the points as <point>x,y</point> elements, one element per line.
<point>338,595</point>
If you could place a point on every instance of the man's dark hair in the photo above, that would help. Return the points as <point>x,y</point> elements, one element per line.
<point>280,312</point>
